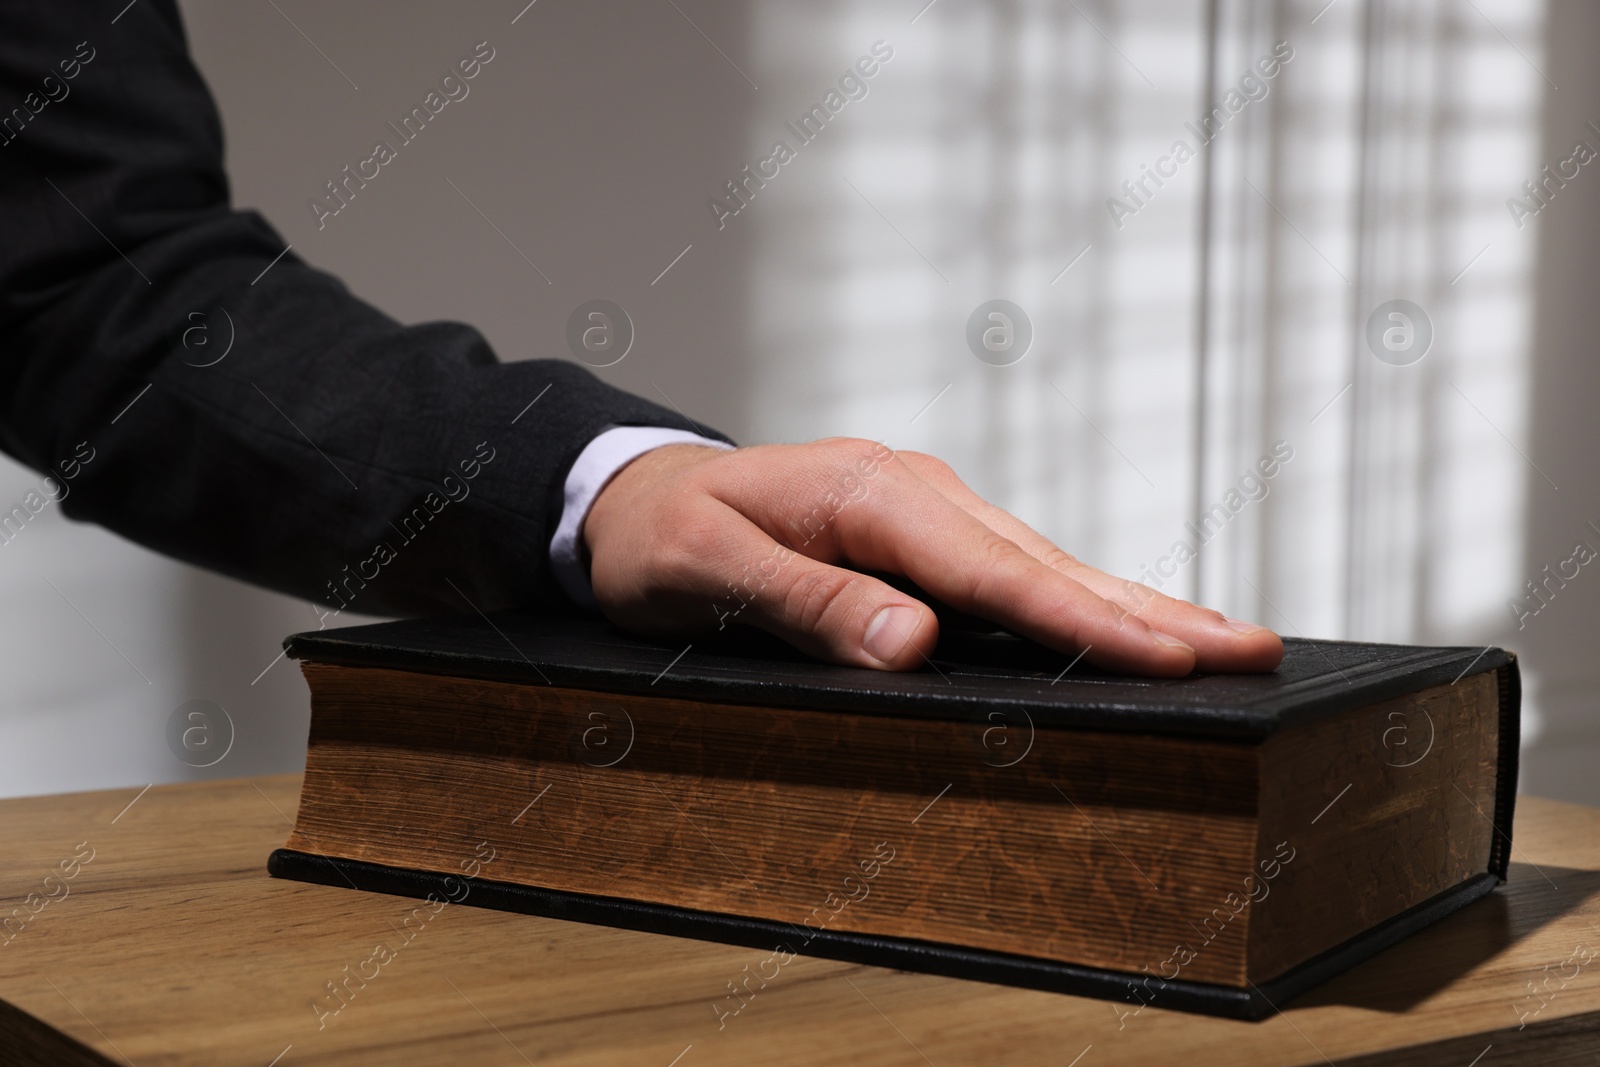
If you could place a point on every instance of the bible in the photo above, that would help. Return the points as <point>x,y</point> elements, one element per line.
<point>1212,843</point>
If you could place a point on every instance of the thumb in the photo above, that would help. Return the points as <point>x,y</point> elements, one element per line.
<point>841,615</point>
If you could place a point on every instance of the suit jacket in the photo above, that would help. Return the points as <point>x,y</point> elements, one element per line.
<point>334,454</point>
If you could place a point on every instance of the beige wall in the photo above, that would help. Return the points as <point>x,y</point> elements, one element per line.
<point>1561,645</point>
<point>593,140</point>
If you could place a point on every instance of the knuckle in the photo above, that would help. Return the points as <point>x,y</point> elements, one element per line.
<point>998,553</point>
<point>859,451</point>
<point>994,563</point>
<point>846,444</point>
<point>929,468</point>
<point>1059,559</point>
<point>813,596</point>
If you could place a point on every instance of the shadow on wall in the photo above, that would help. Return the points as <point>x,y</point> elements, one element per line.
<point>1557,640</point>
<point>580,168</point>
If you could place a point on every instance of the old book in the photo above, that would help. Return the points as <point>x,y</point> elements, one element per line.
<point>1214,843</point>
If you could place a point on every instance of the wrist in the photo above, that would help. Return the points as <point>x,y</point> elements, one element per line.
<point>616,503</point>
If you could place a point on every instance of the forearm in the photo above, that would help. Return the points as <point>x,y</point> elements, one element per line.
<point>331,453</point>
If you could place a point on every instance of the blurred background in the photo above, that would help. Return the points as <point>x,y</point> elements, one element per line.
<point>1192,311</point>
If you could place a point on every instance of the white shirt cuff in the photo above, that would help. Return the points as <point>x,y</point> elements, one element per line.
<point>596,465</point>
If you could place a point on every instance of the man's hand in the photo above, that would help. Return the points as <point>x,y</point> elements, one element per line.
<point>687,539</point>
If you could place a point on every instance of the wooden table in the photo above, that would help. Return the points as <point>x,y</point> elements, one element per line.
<point>172,946</point>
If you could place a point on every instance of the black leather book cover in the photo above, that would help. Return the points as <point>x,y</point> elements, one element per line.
<point>969,672</point>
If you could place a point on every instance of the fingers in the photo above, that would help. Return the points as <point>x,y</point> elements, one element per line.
<point>726,571</point>
<point>900,523</point>
<point>1221,644</point>
<point>688,539</point>
<point>965,563</point>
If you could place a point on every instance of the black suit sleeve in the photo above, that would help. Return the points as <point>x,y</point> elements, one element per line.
<point>333,454</point>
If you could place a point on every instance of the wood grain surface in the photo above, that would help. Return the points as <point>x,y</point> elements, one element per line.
<point>172,946</point>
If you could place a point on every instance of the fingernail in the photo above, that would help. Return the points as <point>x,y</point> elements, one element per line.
<point>1168,641</point>
<point>889,631</point>
<point>1241,626</point>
